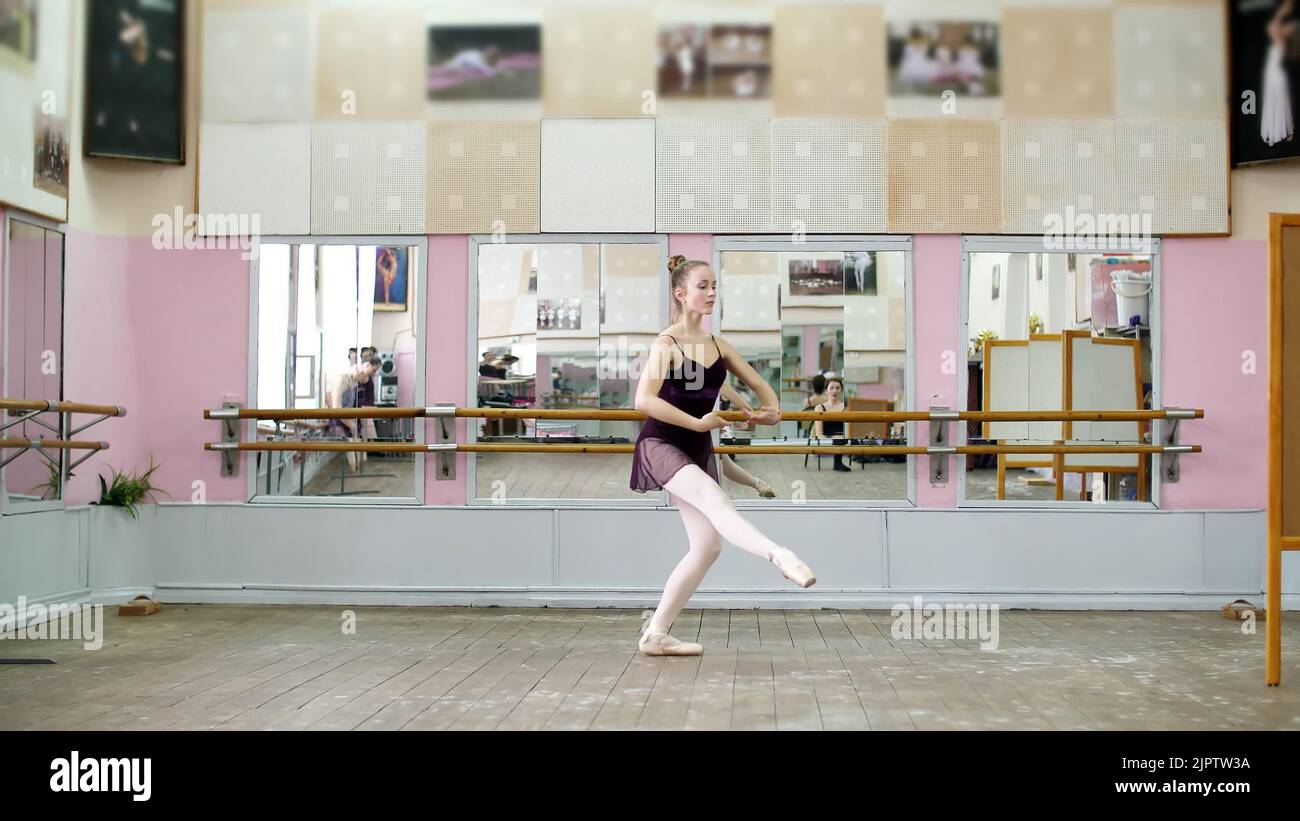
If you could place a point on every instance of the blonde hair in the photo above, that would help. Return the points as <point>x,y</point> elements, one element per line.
<point>679,268</point>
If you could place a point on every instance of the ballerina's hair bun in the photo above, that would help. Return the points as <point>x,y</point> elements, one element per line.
<point>674,261</point>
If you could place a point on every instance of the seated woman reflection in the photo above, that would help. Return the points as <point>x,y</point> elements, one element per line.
<point>833,430</point>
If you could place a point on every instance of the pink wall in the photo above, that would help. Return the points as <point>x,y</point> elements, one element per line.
<point>1214,310</point>
<point>165,334</point>
<point>936,268</point>
<point>446,341</point>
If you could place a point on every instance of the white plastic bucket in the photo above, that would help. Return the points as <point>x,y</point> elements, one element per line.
<point>1132,295</point>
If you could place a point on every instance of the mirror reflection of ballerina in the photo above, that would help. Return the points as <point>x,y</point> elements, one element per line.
<point>1276,120</point>
<point>731,470</point>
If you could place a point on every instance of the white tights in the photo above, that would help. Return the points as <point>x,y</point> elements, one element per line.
<point>709,516</point>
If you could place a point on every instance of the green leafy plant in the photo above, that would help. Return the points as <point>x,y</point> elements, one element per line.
<point>53,484</point>
<point>127,490</point>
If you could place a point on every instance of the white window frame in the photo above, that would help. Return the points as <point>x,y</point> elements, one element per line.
<point>1030,245</point>
<point>820,243</point>
<point>652,499</point>
<point>8,508</point>
<point>418,304</point>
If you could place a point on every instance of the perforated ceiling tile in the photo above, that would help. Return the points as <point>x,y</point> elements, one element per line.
<point>713,176</point>
<point>1058,62</point>
<point>973,168</point>
<point>826,61</point>
<point>598,175</point>
<point>367,178</point>
<point>257,66</point>
<point>828,176</point>
<point>1164,62</point>
<point>1176,171</point>
<point>600,61</point>
<point>370,62</point>
<point>1053,168</point>
<point>917,182</point>
<point>483,176</point>
<point>257,169</point>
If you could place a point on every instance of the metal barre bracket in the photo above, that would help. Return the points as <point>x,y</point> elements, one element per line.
<point>229,435</point>
<point>443,416</point>
<point>1169,438</point>
<point>939,451</point>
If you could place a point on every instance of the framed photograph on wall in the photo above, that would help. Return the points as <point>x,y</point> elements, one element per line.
<point>484,62</point>
<point>1265,80</point>
<point>135,80</point>
<point>391,278</point>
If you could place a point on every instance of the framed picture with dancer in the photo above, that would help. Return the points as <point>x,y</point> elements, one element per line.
<point>391,278</point>
<point>1265,77</point>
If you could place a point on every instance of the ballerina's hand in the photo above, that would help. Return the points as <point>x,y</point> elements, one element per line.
<point>764,416</point>
<point>709,421</point>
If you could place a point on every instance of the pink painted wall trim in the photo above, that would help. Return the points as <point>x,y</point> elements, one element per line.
<point>1214,309</point>
<point>936,284</point>
<point>447,356</point>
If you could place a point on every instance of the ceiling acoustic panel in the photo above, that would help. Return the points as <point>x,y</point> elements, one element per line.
<point>828,176</point>
<point>713,176</point>
<point>256,169</point>
<point>483,177</point>
<point>1175,171</point>
<point>598,175</point>
<point>367,178</point>
<point>1051,168</point>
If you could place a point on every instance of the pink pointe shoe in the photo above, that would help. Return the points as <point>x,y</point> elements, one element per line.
<point>659,643</point>
<point>792,568</point>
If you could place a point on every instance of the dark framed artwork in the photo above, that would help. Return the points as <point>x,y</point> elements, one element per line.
<point>135,80</point>
<point>1265,99</point>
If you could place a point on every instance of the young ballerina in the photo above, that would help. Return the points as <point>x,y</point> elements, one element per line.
<point>674,452</point>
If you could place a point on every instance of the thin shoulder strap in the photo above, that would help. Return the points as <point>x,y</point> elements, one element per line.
<point>675,342</point>
<point>715,344</point>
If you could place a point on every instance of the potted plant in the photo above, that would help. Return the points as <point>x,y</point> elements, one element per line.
<point>127,490</point>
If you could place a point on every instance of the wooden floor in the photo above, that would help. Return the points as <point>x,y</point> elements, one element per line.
<point>281,667</point>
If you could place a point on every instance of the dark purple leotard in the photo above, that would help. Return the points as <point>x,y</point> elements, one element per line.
<point>663,448</point>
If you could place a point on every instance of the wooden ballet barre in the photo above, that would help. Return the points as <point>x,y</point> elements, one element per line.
<point>21,446</point>
<point>537,447</point>
<point>38,406</point>
<point>629,415</point>
<point>44,406</point>
<point>53,444</point>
